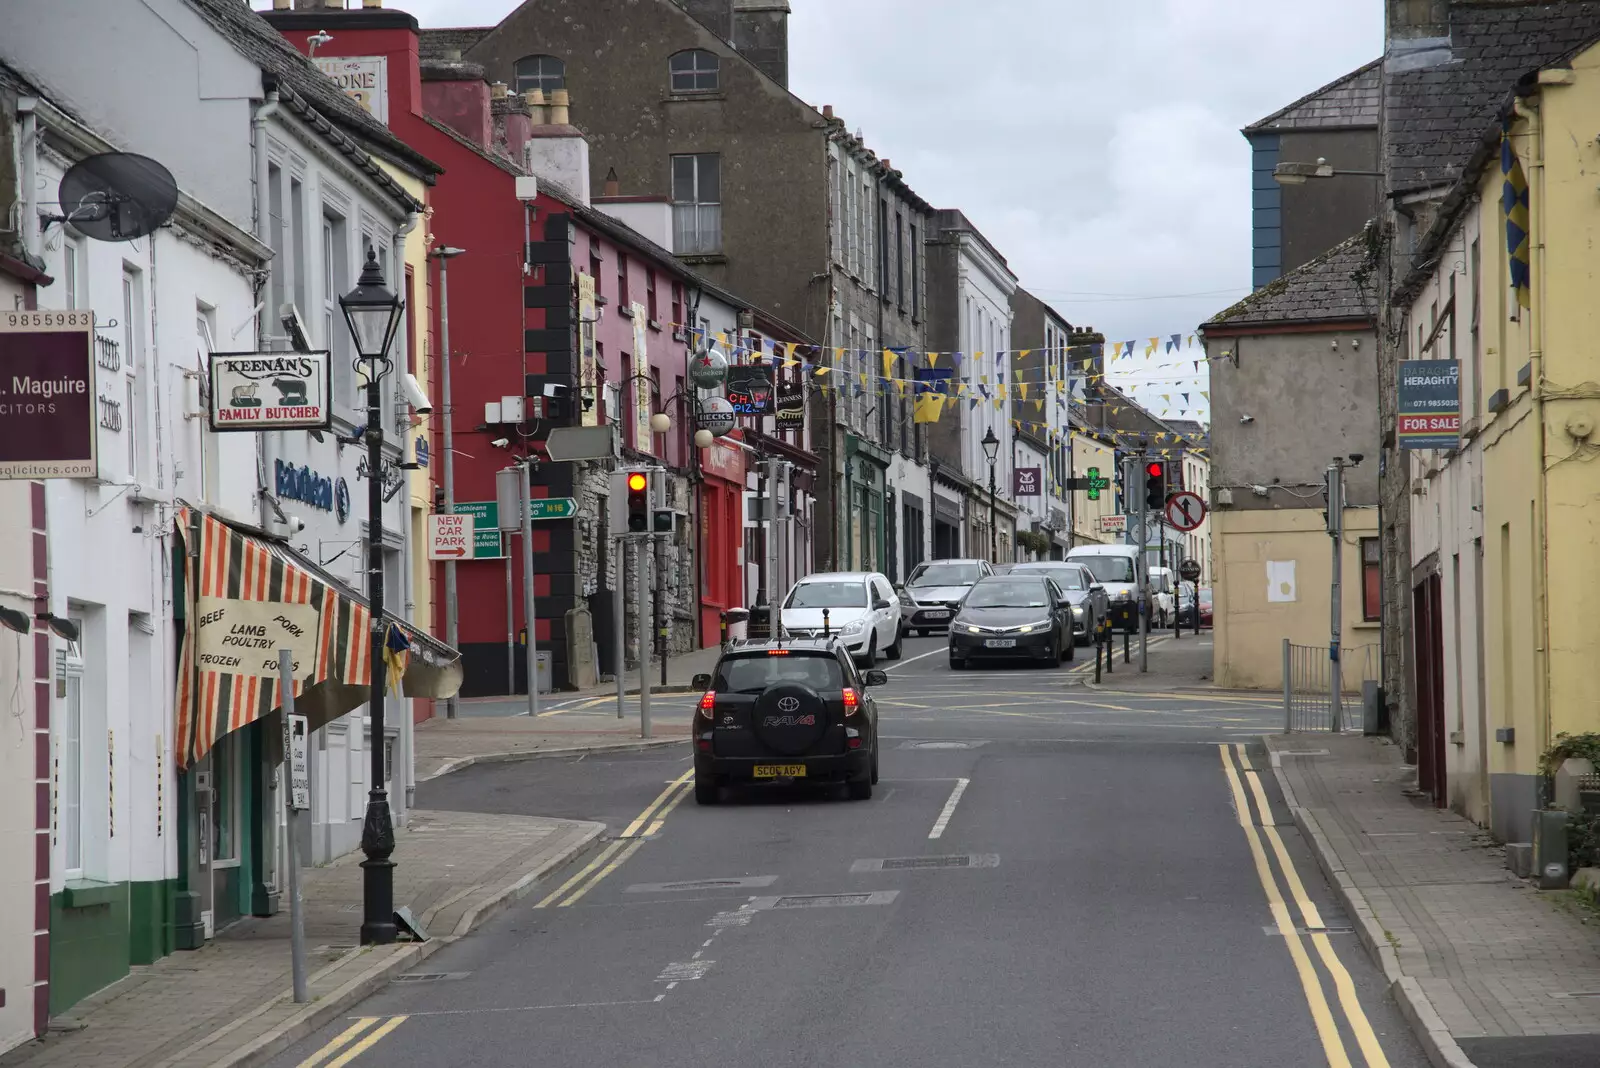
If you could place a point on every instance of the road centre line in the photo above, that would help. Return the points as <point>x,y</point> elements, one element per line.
<point>1348,1000</point>
<point>1321,1015</point>
<point>949,809</point>
<point>661,817</point>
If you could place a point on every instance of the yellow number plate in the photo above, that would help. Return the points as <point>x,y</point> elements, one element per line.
<point>780,771</point>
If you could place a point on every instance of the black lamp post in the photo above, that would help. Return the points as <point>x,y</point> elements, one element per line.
<point>991,449</point>
<point>373,314</point>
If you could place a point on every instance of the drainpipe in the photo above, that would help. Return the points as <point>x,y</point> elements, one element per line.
<point>408,546</point>
<point>258,128</point>
<point>29,222</point>
<point>1541,501</point>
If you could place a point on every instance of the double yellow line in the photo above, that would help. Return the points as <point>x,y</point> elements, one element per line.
<point>1236,764</point>
<point>627,844</point>
<point>356,1031</point>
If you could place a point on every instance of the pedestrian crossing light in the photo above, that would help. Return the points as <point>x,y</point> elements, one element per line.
<point>638,502</point>
<point>1155,485</point>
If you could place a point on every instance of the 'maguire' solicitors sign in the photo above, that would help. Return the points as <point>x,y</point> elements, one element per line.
<point>47,397</point>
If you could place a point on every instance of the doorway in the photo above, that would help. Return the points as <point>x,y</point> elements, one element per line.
<point>1428,636</point>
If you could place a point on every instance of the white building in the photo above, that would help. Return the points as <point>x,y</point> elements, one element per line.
<point>280,200</point>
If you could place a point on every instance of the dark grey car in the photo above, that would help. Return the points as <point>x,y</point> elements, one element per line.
<point>1006,617</point>
<point>1090,604</point>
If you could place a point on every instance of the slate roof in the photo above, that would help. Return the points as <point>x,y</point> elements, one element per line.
<point>259,42</point>
<point>1437,114</point>
<point>1323,290</point>
<point>1193,430</point>
<point>1350,101</point>
<point>434,44</point>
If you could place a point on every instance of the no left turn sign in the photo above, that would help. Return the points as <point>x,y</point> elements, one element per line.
<point>1186,511</point>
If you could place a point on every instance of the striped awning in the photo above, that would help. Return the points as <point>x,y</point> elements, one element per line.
<point>248,597</point>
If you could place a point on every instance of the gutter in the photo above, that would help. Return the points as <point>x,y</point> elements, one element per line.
<point>1541,496</point>
<point>29,222</point>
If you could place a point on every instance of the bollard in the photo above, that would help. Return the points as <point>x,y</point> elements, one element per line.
<point>1127,656</point>
<point>1105,642</point>
<point>1097,658</point>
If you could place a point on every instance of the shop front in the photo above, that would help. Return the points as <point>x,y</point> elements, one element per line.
<point>866,485</point>
<point>238,599</point>
<point>722,467</point>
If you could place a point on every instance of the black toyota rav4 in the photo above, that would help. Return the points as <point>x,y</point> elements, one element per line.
<point>786,711</point>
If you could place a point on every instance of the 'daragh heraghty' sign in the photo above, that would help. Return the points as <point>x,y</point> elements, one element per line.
<point>270,391</point>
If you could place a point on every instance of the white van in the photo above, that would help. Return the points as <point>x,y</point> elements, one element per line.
<point>1114,567</point>
<point>1163,595</point>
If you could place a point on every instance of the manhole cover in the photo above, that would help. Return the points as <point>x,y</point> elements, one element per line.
<point>939,745</point>
<point>959,860</point>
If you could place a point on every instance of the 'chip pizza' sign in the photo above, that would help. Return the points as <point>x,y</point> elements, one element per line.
<point>270,391</point>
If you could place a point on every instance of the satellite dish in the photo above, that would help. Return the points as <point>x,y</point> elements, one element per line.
<point>117,196</point>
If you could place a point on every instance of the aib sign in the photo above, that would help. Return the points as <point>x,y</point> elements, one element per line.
<point>1026,481</point>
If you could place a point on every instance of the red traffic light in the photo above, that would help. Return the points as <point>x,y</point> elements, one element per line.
<point>1155,469</point>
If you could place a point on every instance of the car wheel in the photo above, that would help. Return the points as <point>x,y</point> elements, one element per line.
<point>1070,647</point>
<point>707,792</point>
<point>870,657</point>
<point>956,663</point>
<point>894,651</point>
<point>860,789</point>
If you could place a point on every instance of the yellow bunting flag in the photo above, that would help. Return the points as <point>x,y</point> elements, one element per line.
<point>1022,388</point>
<point>928,407</point>
<point>933,359</point>
<point>888,363</point>
<point>999,402</point>
<point>1150,349</point>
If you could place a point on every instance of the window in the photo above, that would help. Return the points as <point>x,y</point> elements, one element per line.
<point>916,276</point>
<point>69,764</point>
<point>133,348</point>
<point>624,299</point>
<point>335,335</point>
<point>72,275</point>
<point>677,304</point>
<point>279,285</point>
<point>1371,580</point>
<point>864,234</point>
<point>650,295</point>
<point>225,774</point>
<point>694,71</point>
<point>697,203</point>
<point>851,218</point>
<point>546,73</point>
<point>836,212</point>
<point>411,325</point>
<point>594,267</point>
<point>900,261</point>
<point>297,244</point>
<point>883,248</point>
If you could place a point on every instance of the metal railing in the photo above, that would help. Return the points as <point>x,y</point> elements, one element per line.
<point>1307,700</point>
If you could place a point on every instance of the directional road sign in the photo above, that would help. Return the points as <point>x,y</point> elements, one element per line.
<point>554,508</point>
<point>580,443</point>
<point>1185,511</point>
<point>485,525</point>
<point>450,537</point>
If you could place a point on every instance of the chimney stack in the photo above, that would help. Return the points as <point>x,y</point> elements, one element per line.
<point>557,151</point>
<point>761,34</point>
<point>512,124</point>
<point>1417,34</point>
<point>456,94</point>
<point>827,111</point>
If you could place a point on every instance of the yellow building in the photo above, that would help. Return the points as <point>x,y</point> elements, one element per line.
<point>1294,385</point>
<point>1504,528</point>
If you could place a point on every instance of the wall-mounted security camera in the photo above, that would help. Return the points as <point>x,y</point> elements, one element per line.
<point>1357,457</point>
<point>501,443</point>
<point>294,523</point>
<point>1247,418</point>
<point>414,395</point>
<point>555,390</point>
<point>295,327</point>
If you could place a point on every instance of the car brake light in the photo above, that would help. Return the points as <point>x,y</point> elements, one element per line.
<point>708,701</point>
<point>777,652</point>
<point>855,743</point>
<point>851,701</point>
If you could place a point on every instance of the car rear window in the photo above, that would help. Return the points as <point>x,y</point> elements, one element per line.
<point>754,673</point>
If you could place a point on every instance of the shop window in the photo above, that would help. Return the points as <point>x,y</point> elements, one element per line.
<point>1371,580</point>
<point>225,801</point>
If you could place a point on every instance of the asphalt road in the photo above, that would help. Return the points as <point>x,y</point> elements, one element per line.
<point>1048,874</point>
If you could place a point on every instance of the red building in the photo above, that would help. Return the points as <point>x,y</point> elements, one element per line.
<point>571,311</point>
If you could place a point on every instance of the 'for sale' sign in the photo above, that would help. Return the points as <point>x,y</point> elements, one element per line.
<point>1428,415</point>
<point>450,537</point>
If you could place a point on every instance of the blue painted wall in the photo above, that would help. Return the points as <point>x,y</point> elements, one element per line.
<point>1266,216</point>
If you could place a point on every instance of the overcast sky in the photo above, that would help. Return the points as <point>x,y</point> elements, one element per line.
<point>1095,144</point>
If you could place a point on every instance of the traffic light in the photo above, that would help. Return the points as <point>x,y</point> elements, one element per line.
<point>1155,485</point>
<point>638,502</point>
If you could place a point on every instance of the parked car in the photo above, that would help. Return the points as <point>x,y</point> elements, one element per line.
<point>1115,567</point>
<point>790,710</point>
<point>932,594</point>
<point>1090,605</point>
<point>1012,616</point>
<point>1163,596</point>
<point>1205,606</point>
<point>858,607</point>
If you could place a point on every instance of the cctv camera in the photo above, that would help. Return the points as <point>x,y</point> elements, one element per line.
<point>299,337</point>
<point>414,395</point>
<point>1357,457</point>
<point>1247,418</point>
<point>294,523</point>
<point>500,443</point>
<point>555,389</point>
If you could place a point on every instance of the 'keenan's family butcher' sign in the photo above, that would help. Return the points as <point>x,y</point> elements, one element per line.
<point>270,391</point>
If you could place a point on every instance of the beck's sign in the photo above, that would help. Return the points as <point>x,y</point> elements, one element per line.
<point>1428,415</point>
<point>253,391</point>
<point>47,395</point>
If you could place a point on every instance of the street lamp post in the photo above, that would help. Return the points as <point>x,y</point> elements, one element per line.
<point>1297,173</point>
<point>991,449</point>
<point>444,254</point>
<point>373,315</point>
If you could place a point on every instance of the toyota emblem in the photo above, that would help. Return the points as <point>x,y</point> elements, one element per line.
<point>789,704</point>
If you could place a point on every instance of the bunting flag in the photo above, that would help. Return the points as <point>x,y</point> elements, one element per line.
<point>1022,388</point>
<point>396,656</point>
<point>928,407</point>
<point>888,363</point>
<point>1150,349</point>
<point>933,359</point>
<point>1514,207</point>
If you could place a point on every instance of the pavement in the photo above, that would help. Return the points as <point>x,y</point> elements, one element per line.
<point>1491,971</point>
<point>1047,873</point>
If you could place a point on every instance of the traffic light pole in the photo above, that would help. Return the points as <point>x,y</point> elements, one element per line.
<point>1145,605</point>
<point>644,635</point>
<point>530,599</point>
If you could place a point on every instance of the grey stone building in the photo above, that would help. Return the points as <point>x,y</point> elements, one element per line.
<point>686,104</point>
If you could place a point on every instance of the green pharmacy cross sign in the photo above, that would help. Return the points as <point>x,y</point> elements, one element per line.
<point>1096,483</point>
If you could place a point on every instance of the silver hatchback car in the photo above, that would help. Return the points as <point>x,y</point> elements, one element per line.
<point>933,594</point>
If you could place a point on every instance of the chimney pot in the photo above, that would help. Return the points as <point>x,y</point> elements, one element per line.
<point>827,111</point>
<point>534,98</point>
<point>280,5</point>
<point>498,90</point>
<point>371,3</point>
<point>613,188</point>
<point>560,103</point>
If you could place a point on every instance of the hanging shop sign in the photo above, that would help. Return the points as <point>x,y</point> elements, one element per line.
<point>749,388</point>
<point>295,483</point>
<point>49,412</point>
<point>1428,413</point>
<point>791,406</point>
<point>253,391</point>
<point>716,415</point>
<point>707,369</point>
<point>1027,482</point>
